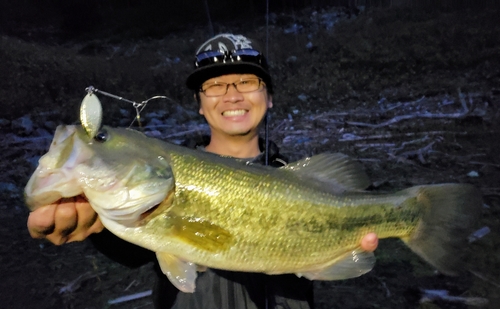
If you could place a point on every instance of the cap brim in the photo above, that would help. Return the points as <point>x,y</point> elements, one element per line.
<point>203,74</point>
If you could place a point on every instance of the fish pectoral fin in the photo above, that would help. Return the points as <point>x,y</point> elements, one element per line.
<point>352,265</point>
<point>181,273</point>
<point>202,234</point>
<point>336,171</point>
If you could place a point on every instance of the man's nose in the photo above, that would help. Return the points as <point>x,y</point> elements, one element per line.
<point>232,91</point>
<point>231,86</point>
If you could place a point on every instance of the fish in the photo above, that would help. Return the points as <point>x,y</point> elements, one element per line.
<point>196,209</point>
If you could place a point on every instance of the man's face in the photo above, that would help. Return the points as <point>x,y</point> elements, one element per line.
<point>234,113</point>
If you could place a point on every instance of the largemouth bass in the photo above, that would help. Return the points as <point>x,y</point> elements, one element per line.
<point>196,209</point>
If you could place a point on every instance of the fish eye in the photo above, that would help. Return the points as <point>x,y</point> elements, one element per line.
<point>101,136</point>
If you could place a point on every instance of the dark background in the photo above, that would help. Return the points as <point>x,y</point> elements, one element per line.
<point>65,20</point>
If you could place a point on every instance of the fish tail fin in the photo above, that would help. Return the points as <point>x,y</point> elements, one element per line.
<point>451,214</point>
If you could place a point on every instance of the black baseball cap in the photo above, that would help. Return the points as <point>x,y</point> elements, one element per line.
<point>228,54</point>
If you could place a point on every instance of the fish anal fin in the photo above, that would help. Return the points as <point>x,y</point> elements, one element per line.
<point>351,265</point>
<point>340,172</point>
<point>181,274</point>
<point>201,233</point>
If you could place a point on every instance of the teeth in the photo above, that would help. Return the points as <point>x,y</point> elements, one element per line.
<point>237,112</point>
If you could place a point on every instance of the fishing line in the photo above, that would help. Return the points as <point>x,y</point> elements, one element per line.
<point>266,119</point>
<point>210,25</point>
<point>138,106</point>
<point>266,125</point>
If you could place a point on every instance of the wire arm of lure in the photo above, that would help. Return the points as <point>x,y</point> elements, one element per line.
<point>138,106</point>
<point>91,89</point>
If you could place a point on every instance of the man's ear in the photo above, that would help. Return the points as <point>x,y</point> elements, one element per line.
<point>196,98</point>
<point>269,101</point>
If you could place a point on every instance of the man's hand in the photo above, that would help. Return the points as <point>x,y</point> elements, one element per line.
<point>67,220</point>
<point>369,242</point>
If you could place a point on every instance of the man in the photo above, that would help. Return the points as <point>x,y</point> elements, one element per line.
<point>234,90</point>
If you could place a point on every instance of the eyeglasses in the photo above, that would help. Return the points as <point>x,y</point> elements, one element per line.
<point>218,56</point>
<point>242,86</point>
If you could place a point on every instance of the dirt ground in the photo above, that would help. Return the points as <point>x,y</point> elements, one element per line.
<point>413,95</point>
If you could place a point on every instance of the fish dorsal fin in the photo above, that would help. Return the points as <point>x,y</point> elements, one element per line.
<point>337,170</point>
<point>351,265</point>
<point>181,273</point>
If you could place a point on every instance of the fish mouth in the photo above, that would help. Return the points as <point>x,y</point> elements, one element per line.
<point>47,190</point>
<point>55,176</point>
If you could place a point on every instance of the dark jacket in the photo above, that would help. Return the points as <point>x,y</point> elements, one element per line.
<point>216,289</point>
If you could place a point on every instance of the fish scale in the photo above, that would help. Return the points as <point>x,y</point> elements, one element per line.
<point>311,225</point>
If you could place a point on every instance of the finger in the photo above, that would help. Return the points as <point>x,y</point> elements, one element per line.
<point>97,227</point>
<point>88,221</point>
<point>66,220</point>
<point>369,242</point>
<point>86,214</point>
<point>41,221</point>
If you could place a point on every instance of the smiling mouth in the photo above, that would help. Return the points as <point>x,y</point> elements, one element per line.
<point>236,112</point>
